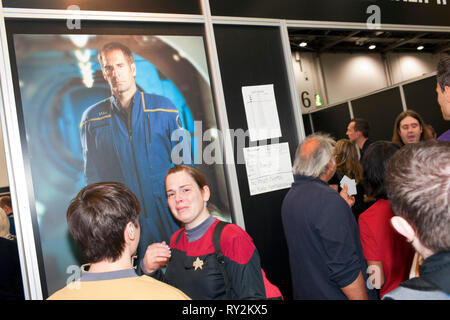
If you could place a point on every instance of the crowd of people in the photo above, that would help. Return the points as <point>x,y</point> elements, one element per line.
<point>396,245</point>
<point>342,245</point>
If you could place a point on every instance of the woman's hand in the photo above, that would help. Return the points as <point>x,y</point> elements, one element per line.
<point>156,257</point>
<point>349,199</point>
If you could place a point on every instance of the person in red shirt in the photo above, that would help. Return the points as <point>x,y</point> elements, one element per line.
<point>388,254</point>
<point>191,259</point>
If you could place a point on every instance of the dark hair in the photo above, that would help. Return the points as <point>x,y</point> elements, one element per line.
<point>408,113</point>
<point>195,173</point>
<point>115,46</point>
<point>361,125</point>
<point>97,218</point>
<point>418,187</point>
<point>431,131</point>
<point>374,163</point>
<point>443,71</point>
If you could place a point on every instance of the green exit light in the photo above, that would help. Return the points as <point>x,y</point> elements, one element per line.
<point>318,100</point>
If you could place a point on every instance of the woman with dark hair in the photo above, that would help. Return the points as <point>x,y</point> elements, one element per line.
<point>388,254</point>
<point>409,128</point>
<point>194,263</point>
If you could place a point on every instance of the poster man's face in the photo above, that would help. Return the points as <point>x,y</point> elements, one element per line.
<point>118,72</point>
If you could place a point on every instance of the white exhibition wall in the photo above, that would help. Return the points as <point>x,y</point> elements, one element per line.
<point>338,77</point>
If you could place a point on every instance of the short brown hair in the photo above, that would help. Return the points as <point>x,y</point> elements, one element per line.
<point>115,46</point>
<point>408,113</point>
<point>97,218</point>
<point>5,201</point>
<point>418,187</point>
<point>361,125</point>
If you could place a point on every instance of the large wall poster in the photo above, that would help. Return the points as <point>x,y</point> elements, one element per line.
<point>59,78</point>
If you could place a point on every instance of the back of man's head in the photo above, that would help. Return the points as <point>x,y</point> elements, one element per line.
<point>443,72</point>
<point>313,155</point>
<point>97,218</point>
<point>418,187</point>
<point>361,125</point>
<point>5,201</point>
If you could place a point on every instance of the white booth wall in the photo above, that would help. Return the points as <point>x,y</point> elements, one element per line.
<point>338,77</point>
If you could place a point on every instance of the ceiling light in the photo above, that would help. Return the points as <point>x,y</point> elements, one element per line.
<point>372,46</point>
<point>303,44</point>
<point>420,48</point>
<point>80,40</point>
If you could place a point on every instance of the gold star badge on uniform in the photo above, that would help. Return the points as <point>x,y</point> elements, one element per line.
<point>198,264</point>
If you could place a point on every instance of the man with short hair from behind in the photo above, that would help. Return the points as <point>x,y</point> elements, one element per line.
<point>103,219</point>
<point>325,253</point>
<point>358,133</point>
<point>443,91</point>
<point>418,187</point>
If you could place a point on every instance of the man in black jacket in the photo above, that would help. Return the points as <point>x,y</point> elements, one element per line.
<point>358,133</point>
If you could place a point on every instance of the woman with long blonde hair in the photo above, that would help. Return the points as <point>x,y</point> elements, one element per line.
<point>347,160</point>
<point>346,155</point>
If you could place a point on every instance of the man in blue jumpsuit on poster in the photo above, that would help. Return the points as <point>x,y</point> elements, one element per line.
<point>127,138</point>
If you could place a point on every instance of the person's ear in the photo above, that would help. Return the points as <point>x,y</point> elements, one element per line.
<point>446,93</point>
<point>403,227</point>
<point>130,231</point>
<point>331,169</point>
<point>104,75</point>
<point>133,69</point>
<point>100,60</point>
<point>206,193</point>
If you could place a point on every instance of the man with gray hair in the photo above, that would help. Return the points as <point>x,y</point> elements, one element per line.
<point>418,186</point>
<point>325,252</point>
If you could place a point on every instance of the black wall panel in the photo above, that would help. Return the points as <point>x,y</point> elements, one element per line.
<point>155,6</point>
<point>307,124</point>
<point>394,11</point>
<point>421,96</point>
<point>250,55</point>
<point>333,120</point>
<point>380,109</point>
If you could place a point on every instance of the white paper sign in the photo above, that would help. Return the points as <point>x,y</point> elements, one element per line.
<point>261,112</point>
<point>268,167</point>
<point>351,184</point>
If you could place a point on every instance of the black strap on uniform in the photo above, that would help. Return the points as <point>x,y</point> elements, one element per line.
<point>178,237</point>
<point>220,257</point>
